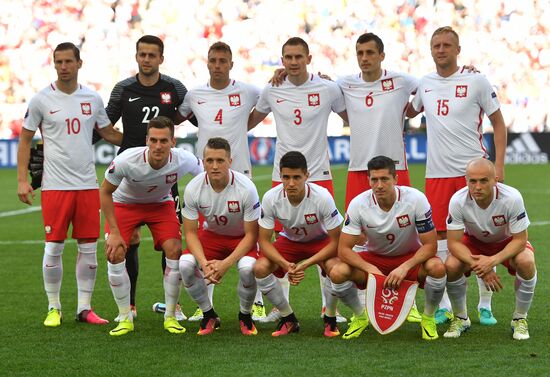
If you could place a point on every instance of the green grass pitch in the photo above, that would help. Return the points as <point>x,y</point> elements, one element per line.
<point>27,348</point>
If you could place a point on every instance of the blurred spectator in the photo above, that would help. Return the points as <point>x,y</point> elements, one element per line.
<point>506,39</point>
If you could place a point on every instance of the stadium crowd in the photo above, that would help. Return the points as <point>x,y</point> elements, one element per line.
<point>506,40</point>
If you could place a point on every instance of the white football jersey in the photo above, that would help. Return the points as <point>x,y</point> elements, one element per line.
<point>308,221</point>
<point>138,182</point>
<point>301,119</point>
<point>505,215</point>
<point>223,113</point>
<point>225,212</point>
<point>454,108</point>
<point>67,122</point>
<point>391,233</point>
<point>376,113</point>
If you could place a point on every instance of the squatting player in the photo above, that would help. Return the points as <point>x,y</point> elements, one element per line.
<point>229,203</point>
<point>137,191</point>
<point>401,242</point>
<point>487,226</point>
<point>311,227</point>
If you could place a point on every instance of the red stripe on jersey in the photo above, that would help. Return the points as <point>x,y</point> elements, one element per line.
<point>170,156</point>
<point>463,68</point>
<point>233,83</point>
<point>496,189</point>
<point>232,178</point>
<point>479,127</point>
<point>144,155</point>
<point>311,78</point>
<point>52,86</point>
<point>360,75</point>
<point>374,198</point>
<point>398,193</point>
<point>308,190</point>
<point>206,179</point>
<point>385,73</point>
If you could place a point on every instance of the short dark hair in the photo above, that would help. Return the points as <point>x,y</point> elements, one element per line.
<point>293,160</point>
<point>67,46</point>
<point>218,143</point>
<point>161,122</point>
<point>152,40</point>
<point>220,46</point>
<point>381,162</point>
<point>367,37</point>
<point>296,41</point>
<point>443,30</point>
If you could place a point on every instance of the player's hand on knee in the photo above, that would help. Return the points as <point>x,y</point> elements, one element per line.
<point>482,265</point>
<point>115,247</point>
<point>209,273</point>
<point>394,278</point>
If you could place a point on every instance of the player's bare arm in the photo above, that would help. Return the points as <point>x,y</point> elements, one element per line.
<point>24,189</point>
<point>344,116</point>
<point>327,252</point>
<point>270,252</point>
<point>114,244</point>
<point>111,134</point>
<point>458,249</point>
<point>190,230</point>
<point>255,118</point>
<point>350,257</point>
<point>500,138</point>
<point>411,112</point>
<point>243,247</point>
<point>425,252</point>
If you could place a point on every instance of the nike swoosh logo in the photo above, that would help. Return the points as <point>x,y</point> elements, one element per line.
<point>201,102</point>
<point>92,267</point>
<point>133,99</point>
<point>427,90</point>
<point>427,333</point>
<point>204,206</point>
<point>50,266</point>
<point>53,112</point>
<point>135,180</point>
<point>280,100</point>
<point>370,227</point>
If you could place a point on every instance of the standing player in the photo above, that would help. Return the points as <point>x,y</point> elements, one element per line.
<point>136,191</point>
<point>229,202</point>
<point>301,107</point>
<point>221,108</point>
<point>454,102</point>
<point>137,100</point>
<point>487,226</point>
<point>376,100</point>
<point>401,242</point>
<point>311,227</point>
<point>66,113</point>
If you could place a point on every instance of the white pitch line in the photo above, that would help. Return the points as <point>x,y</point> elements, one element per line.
<point>20,211</point>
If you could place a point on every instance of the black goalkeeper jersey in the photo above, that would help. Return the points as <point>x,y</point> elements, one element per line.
<point>137,104</point>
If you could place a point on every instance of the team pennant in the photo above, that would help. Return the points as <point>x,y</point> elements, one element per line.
<point>388,308</point>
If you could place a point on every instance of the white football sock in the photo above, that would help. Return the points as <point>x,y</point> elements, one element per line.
<point>525,290</point>
<point>285,285</point>
<point>171,287</point>
<point>259,299</point>
<point>210,292</point>
<point>246,287</point>
<point>347,292</point>
<point>457,294</point>
<point>433,290</point>
<point>52,272</point>
<point>331,297</point>
<point>120,286</point>
<point>323,285</point>
<point>194,283</point>
<point>485,295</point>
<point>86,270</point>
<point>271,288</point>
<point>442,253</point>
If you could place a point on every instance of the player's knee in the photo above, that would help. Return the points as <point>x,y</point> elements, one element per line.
<point>525,264</point>
<point>187,266</point>
<point>136,237</point>
<point>261,268</point>
<point>172,248</point>
<point>453,267</point>
<point>329,264</point>
<point>339,273</point>
<point>118,256</point>
<point>435,268</point>
<point>54,249</point>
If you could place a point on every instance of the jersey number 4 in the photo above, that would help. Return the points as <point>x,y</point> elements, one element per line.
<point>219,117</point>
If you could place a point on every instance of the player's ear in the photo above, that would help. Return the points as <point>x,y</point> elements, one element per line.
<point>308,59</point>
<point>173,142</point>
<point>383,55</point>
<point>231,65</point>
<point>161,59</point>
